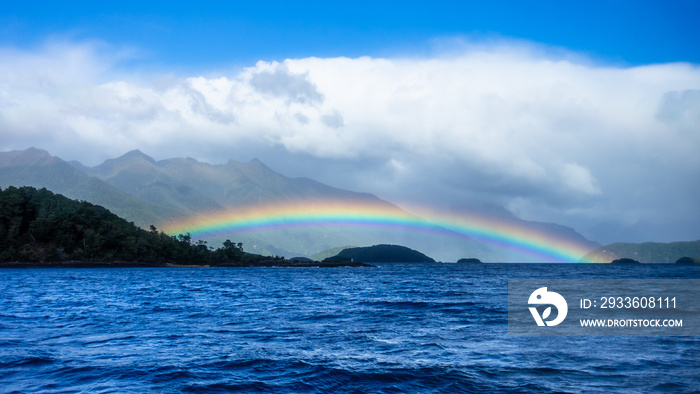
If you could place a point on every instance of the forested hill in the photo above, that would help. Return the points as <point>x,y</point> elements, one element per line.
<point>40,226</point>
<point>382,254</point>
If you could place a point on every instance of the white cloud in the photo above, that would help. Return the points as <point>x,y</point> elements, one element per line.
<point>512,125</point>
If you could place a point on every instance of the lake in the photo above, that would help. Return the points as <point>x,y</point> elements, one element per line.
<point>393,328</point>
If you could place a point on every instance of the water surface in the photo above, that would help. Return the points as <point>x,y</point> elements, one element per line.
<point>394,328</point>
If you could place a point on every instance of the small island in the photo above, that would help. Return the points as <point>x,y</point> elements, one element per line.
<point>380,254</point>
<point>625,261</point>
<point>688,261</point>
<point>470,260</point>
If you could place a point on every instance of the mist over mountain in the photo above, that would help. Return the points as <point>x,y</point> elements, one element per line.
<point>146,191</point>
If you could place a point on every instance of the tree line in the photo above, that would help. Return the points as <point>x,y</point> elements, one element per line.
<point>37,225</point>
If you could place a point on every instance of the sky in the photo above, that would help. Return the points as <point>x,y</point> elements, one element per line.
<point>585,114</point>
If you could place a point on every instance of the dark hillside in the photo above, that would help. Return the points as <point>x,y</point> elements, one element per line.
<point>40,226</point>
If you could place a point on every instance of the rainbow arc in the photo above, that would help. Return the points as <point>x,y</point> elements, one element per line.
<point>335,213</point>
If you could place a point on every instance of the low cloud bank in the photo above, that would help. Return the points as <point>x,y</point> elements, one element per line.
<point>547,137</point>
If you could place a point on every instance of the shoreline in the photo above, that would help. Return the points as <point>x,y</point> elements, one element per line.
<point>139,264</point>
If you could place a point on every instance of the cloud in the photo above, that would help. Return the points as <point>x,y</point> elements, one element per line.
<point>549,136</point>
<point>681,109</point>
<point>333,119</point>
<point>277,81</point>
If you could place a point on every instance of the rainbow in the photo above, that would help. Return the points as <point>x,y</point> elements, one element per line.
<point>338,213</point>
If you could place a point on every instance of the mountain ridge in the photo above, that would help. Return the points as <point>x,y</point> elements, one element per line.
<point>175,181</point>
<point>149,191</point>
<point>37,168</point>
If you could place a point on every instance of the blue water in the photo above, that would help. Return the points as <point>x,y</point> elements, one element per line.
<point>394,328</point>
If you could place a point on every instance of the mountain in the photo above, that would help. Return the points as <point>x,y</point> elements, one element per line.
<point>169,184</point>
<point>194,187</point>
<point>647,252</point>
<point>150,192</point>
<point>37,168</point>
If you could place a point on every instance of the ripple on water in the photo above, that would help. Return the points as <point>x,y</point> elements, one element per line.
<point>397,328</point>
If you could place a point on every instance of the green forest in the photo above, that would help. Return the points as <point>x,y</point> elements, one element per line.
<point>37,225</point>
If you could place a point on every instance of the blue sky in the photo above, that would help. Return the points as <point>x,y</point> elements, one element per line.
<point>206,34</point>
<point>583,113</point>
